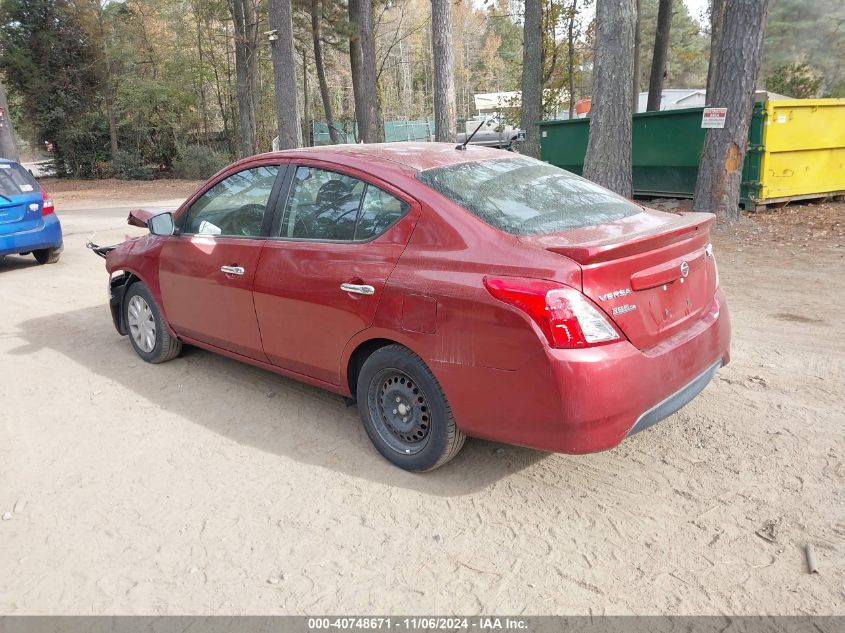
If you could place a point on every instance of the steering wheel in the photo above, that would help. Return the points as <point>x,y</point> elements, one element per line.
<point>247,220</point>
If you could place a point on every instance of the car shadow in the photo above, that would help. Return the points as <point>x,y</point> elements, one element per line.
<point>16,262</point>
<point>259,408</point>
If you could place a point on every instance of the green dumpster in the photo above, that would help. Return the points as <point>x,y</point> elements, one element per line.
<point>666,149</point>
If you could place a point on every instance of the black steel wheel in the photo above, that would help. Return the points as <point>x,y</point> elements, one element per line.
<point>405,412</point>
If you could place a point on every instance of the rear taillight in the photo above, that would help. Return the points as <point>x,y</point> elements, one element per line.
<point>46,204</point>
<point>566,317</point>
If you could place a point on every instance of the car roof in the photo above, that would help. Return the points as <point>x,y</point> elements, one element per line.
<point>411,155</point>
<point>9,161</point>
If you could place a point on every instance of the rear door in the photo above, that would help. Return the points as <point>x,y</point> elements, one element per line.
<point>20,199</point>
<point>335,241</point>
<point>206,272</point>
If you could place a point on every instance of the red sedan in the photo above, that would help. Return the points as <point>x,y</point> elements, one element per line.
<point>451,292</point>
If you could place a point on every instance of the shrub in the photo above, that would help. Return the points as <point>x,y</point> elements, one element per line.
<point>199,163</point>
<point>128,166</point>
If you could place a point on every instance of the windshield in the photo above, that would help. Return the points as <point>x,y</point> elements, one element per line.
<point>15,180</point>
<point>524,196</point>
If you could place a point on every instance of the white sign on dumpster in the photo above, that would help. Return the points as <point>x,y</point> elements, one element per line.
<point>714,118</point>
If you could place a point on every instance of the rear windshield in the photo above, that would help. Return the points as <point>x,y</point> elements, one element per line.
<point>15,180</point>
<point>524,196</point>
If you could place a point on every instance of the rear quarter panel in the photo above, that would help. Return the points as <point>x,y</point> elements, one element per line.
<point>488,357</point>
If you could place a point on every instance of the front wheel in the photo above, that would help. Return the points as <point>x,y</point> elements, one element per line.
<point>148,332</point>
<point>405,412</point>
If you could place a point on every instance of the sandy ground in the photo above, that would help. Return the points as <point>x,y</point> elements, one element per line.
<point>208,486</point>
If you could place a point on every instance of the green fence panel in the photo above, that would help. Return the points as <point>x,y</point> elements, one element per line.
<point>421,130</point>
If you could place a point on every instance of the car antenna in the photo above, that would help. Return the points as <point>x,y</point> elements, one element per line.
<point>463,146</point>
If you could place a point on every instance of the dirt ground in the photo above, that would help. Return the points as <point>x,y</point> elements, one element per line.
<point>208,486</point>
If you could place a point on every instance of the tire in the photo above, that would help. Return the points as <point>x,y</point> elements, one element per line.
<point>420,433</point>
<point>47,255</point>
<point>148,333</point>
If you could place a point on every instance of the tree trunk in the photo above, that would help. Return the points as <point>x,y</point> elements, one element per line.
<point>658,60</point>
<point>608,159</point>
<point>740,51</point>
<point>368,72</point>
<point>251,41</point>
<point>532,77</point>
<point>284,74</point>
<point>244,71</point>
<point>306,106</point>
<point>356,65</point>
<point>445,110</point>
<point>717,14</point>
<point>316,10</point>
<point>570,55</point>
<point>8,148</point>
<point>108,92</point>
<point>635,99</point>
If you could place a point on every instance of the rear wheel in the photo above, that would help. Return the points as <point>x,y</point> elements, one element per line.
<point>47,255</point>
<point>405,412</point>
<point>148,333</point>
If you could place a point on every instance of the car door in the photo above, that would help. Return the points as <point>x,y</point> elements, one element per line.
<point>206,271</point>
<point>335,240</point>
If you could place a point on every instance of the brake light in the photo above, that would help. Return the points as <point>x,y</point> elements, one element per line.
<point>565,316</point>
<point>46,204</point>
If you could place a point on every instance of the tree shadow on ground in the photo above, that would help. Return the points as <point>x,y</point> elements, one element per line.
<point>258,408</point>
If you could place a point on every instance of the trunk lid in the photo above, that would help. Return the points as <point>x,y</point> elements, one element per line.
<point>19,212</point>
<point>652,273</point>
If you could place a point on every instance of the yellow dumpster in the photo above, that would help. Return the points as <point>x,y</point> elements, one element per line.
<point>801,152</point>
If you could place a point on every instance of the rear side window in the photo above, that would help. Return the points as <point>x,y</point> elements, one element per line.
<point>378,211</point>
<point>523,196</point>
<point>15,180</point>
<point>325,205</point>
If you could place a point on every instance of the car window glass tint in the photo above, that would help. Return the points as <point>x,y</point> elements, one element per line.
<point>235,205</point>
<point>15,180</point>
<point>524,196</point>
<point>378,211</point>
<point>322,205</point>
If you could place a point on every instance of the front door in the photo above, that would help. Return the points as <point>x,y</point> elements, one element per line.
<point>207,270</point>
<point>323,269</point>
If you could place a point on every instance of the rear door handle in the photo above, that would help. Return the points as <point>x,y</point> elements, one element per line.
<point>359,289</point>
<point>232,270</point>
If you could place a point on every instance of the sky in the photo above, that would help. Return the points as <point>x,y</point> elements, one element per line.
<point>697,8</point>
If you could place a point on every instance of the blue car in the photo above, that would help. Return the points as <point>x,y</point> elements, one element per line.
<point>28,223</point>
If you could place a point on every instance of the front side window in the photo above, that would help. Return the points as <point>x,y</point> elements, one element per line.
<point>322,205</point>
<point>235,206</point>
<point>523,196</point>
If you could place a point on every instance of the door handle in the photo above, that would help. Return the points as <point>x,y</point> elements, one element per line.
<point>232,270</point>
<point>359,289</point>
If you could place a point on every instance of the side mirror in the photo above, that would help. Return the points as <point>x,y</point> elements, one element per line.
<point>162,224</point>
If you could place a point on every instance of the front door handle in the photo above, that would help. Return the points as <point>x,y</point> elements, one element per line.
<point>232,270</point>
<point>359,289</point>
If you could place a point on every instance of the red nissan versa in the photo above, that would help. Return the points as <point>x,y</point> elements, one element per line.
<point>452,292</point>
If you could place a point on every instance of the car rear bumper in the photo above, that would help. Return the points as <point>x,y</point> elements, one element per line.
<point>46,234</point>
<point>588,400</point>
<point>619,390</point>
<point>676,401</point>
